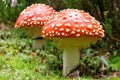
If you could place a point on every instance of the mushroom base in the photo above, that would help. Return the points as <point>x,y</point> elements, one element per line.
<point>36,32</point>
<point>71,53</point>
<point>39,43</point>
<point>70,59</point>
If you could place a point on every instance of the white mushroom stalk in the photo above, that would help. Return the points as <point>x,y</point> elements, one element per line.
<point>71,30</point>
<point>71,51</point>
<point>70,58</point>
<point>38,41</point>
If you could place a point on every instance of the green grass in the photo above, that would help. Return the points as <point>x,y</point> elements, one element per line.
<point>23,67</point>
<point>115,60</point>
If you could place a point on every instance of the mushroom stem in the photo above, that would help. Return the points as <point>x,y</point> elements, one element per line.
<point>35,32</point>
<point>39,43</point>
<point>71,58</point>
<point>71,53</point>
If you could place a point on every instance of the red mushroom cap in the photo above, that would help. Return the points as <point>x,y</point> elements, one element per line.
<point>35,15</point>
<point>72,23</point>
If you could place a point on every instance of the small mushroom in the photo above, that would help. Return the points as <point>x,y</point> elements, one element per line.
<point>33,18</point>
<point>71,30</point>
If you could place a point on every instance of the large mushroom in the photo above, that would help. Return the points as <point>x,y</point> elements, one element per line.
<point>72,30</point>
<point>33,18</point>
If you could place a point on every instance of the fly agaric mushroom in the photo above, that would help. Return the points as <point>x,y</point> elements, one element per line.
<point>33,18</point>
<point>72,30</point>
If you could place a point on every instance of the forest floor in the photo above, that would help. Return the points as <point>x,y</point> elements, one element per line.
<point>20,61</point>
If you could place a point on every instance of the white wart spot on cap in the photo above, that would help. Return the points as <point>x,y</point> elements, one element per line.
<point>52,31</point>
<point>96,33</point>
<point>28,20</point>
<point>73,32</point>
<point>45,28</point>
<point>98,23</point>
<point>62,33</point>
<point>58,34</point>
<point>95,26</point>
<point>52,25</point>
<point>76,21</point>
<point>59,24</point>
<point>34,18</point>
<point>38,18</point>
<point>61,29</point>
<point>31,15</point>
<point>38,22</point>
<point>94,30</point>
<point>86,20</point>
<point>76,25</point>
<point>89,26</point>
<point>78,30</point>
<point>90,33</point>
<point>67,24</point>
<point>82,25</point>
<point>43,32</point>
<point>67,30</point>
<point>86,32</point>
<point>25,22</point>
<point>83,31</point>
<point>77,34</point>
<point>46,34</point>
<point>93,20</point>
<point>55,28</point>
